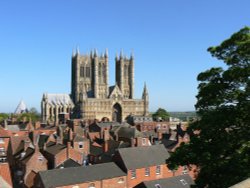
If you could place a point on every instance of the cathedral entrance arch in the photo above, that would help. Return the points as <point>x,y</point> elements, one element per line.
<point>117,113</point>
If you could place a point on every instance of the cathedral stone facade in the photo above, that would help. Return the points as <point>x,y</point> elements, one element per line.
<point>91,94</point>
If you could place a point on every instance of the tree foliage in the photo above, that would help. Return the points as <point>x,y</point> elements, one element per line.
<point>221,149</point>
<point>3,116</point>
<point>161,113</point>
<point>32,115</point>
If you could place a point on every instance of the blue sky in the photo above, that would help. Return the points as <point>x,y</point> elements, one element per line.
<point>169,40</point>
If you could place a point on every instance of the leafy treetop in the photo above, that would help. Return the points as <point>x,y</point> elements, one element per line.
<point>221,149</point>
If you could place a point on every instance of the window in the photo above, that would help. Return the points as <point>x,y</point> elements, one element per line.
<point>2,151</point>
<point>183,182</point>
<point>121,180</point>
<point>158,169</point>
<point>157,186</point>
<point>80,145</point>
<point>1,140</point>
<point>40,158</point>
<point>133,174</point>
<point>3,159</point>
<point>82,71</point>
<point>185,170</point>
<point>91,185</point>
<point>88,72</point>
<point>147,172</point>
<point>144,141</point>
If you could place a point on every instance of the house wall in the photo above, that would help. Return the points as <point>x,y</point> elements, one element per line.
<point>140,175</point>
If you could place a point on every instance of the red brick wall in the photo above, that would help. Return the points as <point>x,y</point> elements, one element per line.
<point>60,157</point>
<point>140,175</point>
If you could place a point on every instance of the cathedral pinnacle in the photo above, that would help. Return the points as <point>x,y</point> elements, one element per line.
<point>77,51</point>
<point>95,53</point>
<point>106,52</point>
<point>132,55</point>
<point>121,54</point>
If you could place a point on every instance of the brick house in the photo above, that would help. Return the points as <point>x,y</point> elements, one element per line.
<point>56,154</point>
<point>143,163</point>
<point>104,175</point>
<point>30,163</point>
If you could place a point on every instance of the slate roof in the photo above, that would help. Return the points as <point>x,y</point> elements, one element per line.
<point>59,99</point>
<point>141,157</point>
<point>76,175</point>
<point>183,181</point>
<point>42,139</point>
<point>169,144</point>
<point>28,153</point>
<point>107,124</point>
<point>68,163</point>
<point>128,132</point>
<point>55,149</point>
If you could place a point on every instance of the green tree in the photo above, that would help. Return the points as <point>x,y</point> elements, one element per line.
<point>3,116</point>
<point>221,149</point>
<point>161,113</point>
<point>32,115</point>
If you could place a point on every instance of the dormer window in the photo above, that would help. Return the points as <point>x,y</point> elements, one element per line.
<point>157,186</point>
<point>183,182</point>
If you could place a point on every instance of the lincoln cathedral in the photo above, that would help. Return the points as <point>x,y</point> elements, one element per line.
<point>91,96</point>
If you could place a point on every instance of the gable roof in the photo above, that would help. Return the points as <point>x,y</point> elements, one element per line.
<point>115,90</point>
<point>141,157</point>
<point>59,99</point>
<point>76,175</point>
<point>183,181</point>
<point>68,163</point>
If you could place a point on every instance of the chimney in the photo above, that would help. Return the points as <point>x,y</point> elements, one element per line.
<point>106,134</point>
<point>132,142</point>
<point>71,135</point>
<point>37,125</point>
<point>68,149</point>
<point>159,135</point>
<point>105,146</point>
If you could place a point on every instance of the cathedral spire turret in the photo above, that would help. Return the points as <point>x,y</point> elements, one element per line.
<point>132,55</point>
<point>145,91</point>
<point>145,97</point>
<point>121,54</point>
<point>106,53</point>
<point>95,53</point>
<point>77,51</point>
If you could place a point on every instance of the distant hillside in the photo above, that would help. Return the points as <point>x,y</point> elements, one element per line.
<point>183,115</point>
